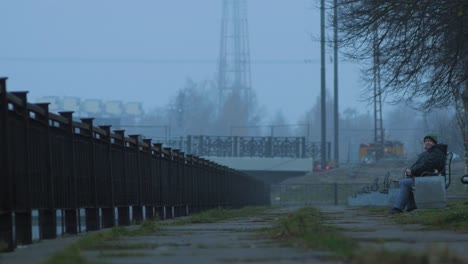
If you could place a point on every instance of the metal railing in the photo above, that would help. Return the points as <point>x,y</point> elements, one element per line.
<point>51,163</point>
<point>244,146</point>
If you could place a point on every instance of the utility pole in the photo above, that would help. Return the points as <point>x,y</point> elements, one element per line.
<point>323,148</point>
<point>336,150</point>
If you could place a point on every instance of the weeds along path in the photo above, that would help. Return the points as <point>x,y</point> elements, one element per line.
<point>382,233</point>
<point>239,241</point>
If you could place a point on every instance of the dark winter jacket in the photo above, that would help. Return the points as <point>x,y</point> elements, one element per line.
<point>430,160</point>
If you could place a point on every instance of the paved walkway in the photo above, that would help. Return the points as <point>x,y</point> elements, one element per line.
<point>37,252</point>
<point>236,242</point>
<point>381,232</point>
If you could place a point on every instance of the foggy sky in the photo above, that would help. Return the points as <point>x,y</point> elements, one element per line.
<point>144,50</point>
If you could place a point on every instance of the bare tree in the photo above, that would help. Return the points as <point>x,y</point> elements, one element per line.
<point>191,111</point>
<point>280,126</point>
<point>239,112</point>
<point>421,45</point>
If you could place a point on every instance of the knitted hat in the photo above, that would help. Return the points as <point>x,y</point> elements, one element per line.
<point>431,136</point>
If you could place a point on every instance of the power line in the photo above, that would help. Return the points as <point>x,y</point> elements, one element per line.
<point>147,61</point>
<point>145,126</point>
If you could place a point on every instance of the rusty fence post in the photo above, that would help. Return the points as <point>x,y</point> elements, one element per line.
<point>47,215</point>
<point>23,216</point>
<point>6,194</point>
<point>71,210</point>
<point>108,213</point>
<point>176,183</point>
<point>148,201</point>
<point>159,180</point>
<point>189,179</point>
<point>169,192</point>
<point>91,213</point>
<point>137,210</point>
<point>123,210</point>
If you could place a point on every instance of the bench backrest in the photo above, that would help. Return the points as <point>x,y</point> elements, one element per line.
<point>447,172</point>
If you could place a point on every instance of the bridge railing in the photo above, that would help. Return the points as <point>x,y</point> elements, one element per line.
<point>244,146</point>
<point>50,163</point>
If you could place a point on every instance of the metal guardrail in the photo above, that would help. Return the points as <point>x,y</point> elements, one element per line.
<point>49,162</point>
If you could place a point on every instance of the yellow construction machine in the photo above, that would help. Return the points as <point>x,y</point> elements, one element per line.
<point>371,152</point>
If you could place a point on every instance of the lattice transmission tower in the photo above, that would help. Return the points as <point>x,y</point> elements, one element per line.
<point>379,136</point>
<point>234,75</point>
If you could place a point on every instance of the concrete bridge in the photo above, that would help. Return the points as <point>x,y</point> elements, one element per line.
<point>268,170</point>
<point>270,159</point>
